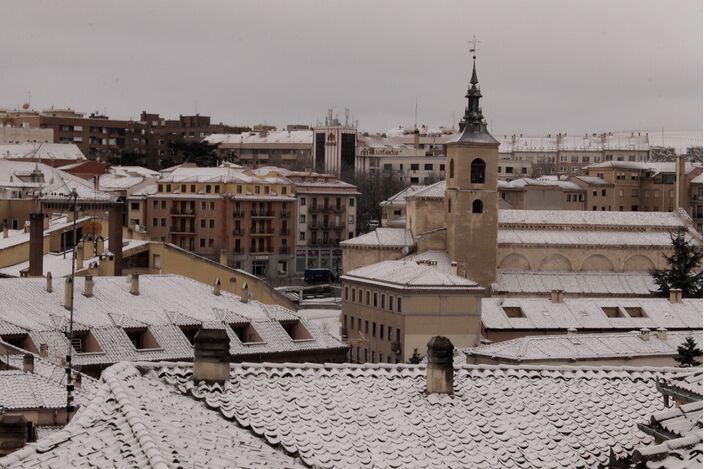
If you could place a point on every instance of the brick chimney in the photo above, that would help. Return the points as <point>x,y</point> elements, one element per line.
<point>216,287</point>
<point>134,284</point>
<point>88,286</point>
<point>439,373</point>
<point>68,300</point>
<point>557,296</point>
<point>28,363</point>
<point>115,237</point>
<point>49,283</point>
<point>36,244</point>
<point>675,295</point>
<point>211,356</point>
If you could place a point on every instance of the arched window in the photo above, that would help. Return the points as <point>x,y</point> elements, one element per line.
<point>452,168</point>
<point>477,206</point>
<point>477,169</point>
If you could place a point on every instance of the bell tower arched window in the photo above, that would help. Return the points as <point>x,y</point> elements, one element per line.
<point>476,171</point>
<point>477,206</point>
<point>452,169</point>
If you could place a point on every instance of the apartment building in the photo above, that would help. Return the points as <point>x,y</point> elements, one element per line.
<point>644,187</point>
<point>226,213</point>
<point>290,149</point>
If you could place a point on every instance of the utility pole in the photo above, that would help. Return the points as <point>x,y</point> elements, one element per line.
<point>69,353</point>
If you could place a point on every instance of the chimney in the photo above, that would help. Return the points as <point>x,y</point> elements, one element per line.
<point>115,237</point>
<point>453,268</point>
<point>49,286</point>
<point>211,356</point>
<point>675,295</point>
<point>79,257</point>
<point>216,287</point>
<point>645,334</point>
<point>134,284</point>
<point>28,363</point>
<point>439,373</point>
<point>36,244</point>
<point>88,286</point>
<point>571,331</point>
<point>68,298</point>
<point>557,296</point>
<point>43,350</point>
<point>244,298</point>
<point>661,333</point>
<point>100,245</point>
<point>223,257</point>
<point>5,231</point>
<point>77,380</point>
<point>416,139</point>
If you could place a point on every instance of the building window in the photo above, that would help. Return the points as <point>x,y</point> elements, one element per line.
<point>477,170</point>
<point>452,169</point>
<point>383,301</point>
<point>375,299</point>
<point>367,298</point>
<point>302,219</point>
<point>398,300</point>
<point>155,222</point>
<point>212,223</point>
<point>477,206</point>
<point>303,200</point>
<point>391,303</point>
<point>302,236</point>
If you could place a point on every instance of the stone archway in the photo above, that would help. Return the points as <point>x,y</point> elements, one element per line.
<point>555,263</point>
<point>597,262</point>
<point>514,261</point>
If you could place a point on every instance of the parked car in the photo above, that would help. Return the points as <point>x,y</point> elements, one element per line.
<point>318,276</point>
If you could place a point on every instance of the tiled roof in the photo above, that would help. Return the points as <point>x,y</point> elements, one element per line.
<point>589,218</point>
<point>45,151</point>
<point>254,138</point>
<point>579,283</point>
<point>433,191</point>
<point>408,275</point>
<point>399,199</point>
<point>20,390</point>
<point>587,313</point>
<point>621,345</point>
<point>380,416</point>
<point>164,303</point>
<point>135,421</point>
<point>383,237</point>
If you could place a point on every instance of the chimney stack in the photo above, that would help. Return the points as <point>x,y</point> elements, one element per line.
<point>79,257</point>
<point>453,268</point>
<point>36,244</point>
<point>100,245</point>
<point>661,333</point>
<point>223,257</point>
<point>216,287</point>
<point>77,380</point>
<point>68,298</point>
<point>211,356</point>
<point>43,350</point>
<point>5,231</point>
<point>134,284</point>
<point>49,283</point>
<point>645,334</point>
<point>28,363</point>
<point>557,296</point>
<point>675,295</point>
<point>245,293</point>
<point>115,237</point>
<point>88,286</point>
<point>440,371</point>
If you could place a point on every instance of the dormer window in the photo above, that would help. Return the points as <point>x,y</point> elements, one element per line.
<point>635,312</point>
<point>513,311</point>
<point>296,330</point>
<point>19,340</point>
<point>190,333</point>
<point>84,342</point>
<point>142,338</point>
<point>612,311</point>
<point>246,333</point>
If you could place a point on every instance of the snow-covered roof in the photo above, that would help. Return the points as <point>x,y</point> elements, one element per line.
<point>589,218</point>
<point>362,416</point>
<point>593,180</point>
<point>164,303</point>
<point>20,390</point>
<point>382,237</point>
<point>698,179</point>
<point>530,283</point>
<point>399,199</point>
<point>44,151</point>
<point>433,191</point>
<point>17,237</point>
<point>620,345</point>
<point>260,138</point>
<point>558,237</point>
<point>134,171</point>
<point>408,275</point>
<point>437,259</point>
<point>138,421</point>
<point>654,167</point>
<point>589,313</point>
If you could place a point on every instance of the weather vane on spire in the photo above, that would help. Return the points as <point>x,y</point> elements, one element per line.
<point>475,48</point>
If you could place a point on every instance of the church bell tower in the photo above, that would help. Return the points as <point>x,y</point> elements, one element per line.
<point>471,200</point>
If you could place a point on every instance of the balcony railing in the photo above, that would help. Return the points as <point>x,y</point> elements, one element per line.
<point>262,232</point>
<point>183,212</point>
<point>262,214</point>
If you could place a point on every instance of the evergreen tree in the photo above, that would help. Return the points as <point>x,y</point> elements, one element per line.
<point>682,269</point>
<point>415,358</point>
<point>688,352</point>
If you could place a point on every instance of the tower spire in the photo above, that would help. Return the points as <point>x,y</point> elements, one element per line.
<point>472,124</point>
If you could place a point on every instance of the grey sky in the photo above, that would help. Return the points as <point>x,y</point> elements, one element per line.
<point>544,66</point>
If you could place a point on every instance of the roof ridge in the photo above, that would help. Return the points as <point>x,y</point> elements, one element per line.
<point>119,390</point>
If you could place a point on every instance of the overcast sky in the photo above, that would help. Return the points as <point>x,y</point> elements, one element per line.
<point>544,66</point>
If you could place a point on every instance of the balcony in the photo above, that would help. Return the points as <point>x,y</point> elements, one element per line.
<point>262,232</point>
<point>238,214</point>
<point>183,212</point>
<point>182,230</point>
<point>284,231</point>
<point>262,214</point>
<point>237,232</point>
<point>284,213</point>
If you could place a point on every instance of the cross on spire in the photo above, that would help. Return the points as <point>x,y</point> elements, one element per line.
<point>475,48</point>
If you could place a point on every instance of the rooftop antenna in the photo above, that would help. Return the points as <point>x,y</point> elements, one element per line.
<point>69,378</point>
<point>415,121</point>
<point>347,117</point>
